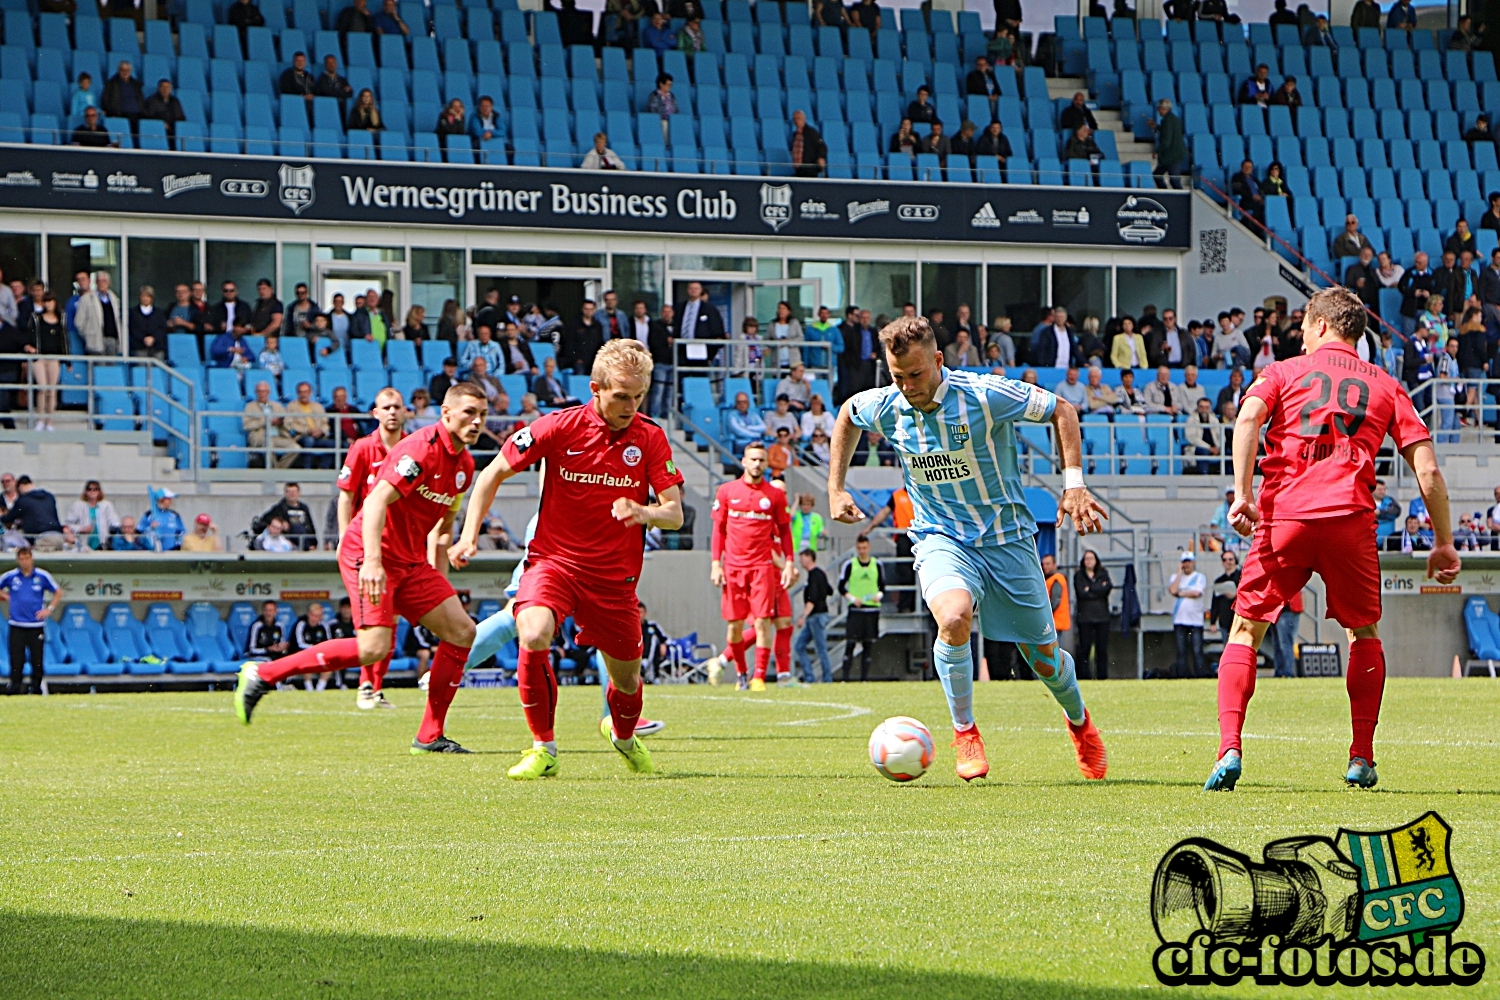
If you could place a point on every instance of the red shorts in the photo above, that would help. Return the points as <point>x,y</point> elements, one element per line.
<point>410,591</point>
<point>751,593</point>
<point>608,618</point>
<point>1285,554</point>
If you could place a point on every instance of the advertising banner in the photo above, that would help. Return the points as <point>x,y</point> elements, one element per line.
<point>51,178</point>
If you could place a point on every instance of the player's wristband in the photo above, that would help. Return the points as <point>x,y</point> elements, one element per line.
<point>1072,478</point>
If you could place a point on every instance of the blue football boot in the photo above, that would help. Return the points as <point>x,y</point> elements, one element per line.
<point>1225,774</point>
<point>1361,773</point>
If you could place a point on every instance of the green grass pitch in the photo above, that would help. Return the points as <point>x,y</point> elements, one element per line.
<point>152,847</point>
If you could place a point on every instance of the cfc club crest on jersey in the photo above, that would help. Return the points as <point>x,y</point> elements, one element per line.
<point>459,479</point>
<point>632,456</point>
<point>960,434</point>
<point>408,468</point>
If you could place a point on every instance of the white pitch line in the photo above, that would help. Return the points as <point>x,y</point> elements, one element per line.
<point>850,711</point>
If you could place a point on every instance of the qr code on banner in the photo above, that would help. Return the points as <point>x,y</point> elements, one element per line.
<point>1213,251</point>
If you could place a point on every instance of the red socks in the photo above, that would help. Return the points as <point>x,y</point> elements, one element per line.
<point>539,692</point>
<point>366,674</point>
<point>442,684</point>
<point>784,651</point>
<point>762,661</point>
<point>624,709</point>
<point>378,672</point>
<point>1236,685</point>
<point>737,651</point>
<point>1365,683</point>
<point>335,654</point>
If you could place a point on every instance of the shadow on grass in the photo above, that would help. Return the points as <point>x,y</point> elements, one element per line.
<point>57,956</point>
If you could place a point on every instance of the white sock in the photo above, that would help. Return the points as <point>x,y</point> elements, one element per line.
<point>549,745</point>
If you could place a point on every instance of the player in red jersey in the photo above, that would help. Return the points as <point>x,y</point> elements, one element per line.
<point>603,461</point>
<point>1328,412</point>
<point>356,478</point>
<point>383,561</point>
<point>749,520</point>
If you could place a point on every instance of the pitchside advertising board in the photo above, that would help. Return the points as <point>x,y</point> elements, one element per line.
<point>360,191</point>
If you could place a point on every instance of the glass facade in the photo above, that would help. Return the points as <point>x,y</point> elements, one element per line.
<point>361,255</point>
<point>436,277</point>
<point>1017,291</point>
<point>296,268</point>
<point>67,255</point>
<point>20,256</point>
<point>242,263</point>
<point>162,264</point>
<point>883,287</point>
<point>834,274</point>
<point>638,276</point>
<point>1083,291</point>
<point>947,286</point>
<point>1138,287</point>
<point>538,258</point>
<point>697,262</point>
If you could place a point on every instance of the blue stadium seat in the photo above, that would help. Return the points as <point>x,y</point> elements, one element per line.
<point>83,639</point>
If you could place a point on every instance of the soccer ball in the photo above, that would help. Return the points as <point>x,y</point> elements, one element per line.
<point>901,748</point>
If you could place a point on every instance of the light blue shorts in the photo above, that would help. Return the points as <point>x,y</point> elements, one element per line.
<point>1005,581</point>
<point>514,586</point>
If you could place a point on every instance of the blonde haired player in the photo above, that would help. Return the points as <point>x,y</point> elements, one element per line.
<point>603,459</point>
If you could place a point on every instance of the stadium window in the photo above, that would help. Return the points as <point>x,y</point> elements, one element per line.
<point>1018,291</point>
<point>296,267</point>
<point>162,264</point>
<point>945,286</point>
<point>638,276</point>
<point>768,267</point>
<point>1083,291</point>
<point>883,287</point>
<point>242,263</point>
<point>834,275</point>
<point>538,258</point>
<point>67,255</point>
<point>361,255</point>
<point>20,255</point>
<point>698,262</point>
<point>436,277</point>
<point>1138,286</point>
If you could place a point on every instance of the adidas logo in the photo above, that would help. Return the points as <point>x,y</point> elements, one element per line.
<point>985,218</point>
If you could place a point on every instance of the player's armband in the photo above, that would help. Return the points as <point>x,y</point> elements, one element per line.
<point>1039,404</point>
<point>458,503</point>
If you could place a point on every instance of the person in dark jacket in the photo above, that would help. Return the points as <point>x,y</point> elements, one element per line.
<point>992,142</point>
<point>123,96</point>
<point>1091,587</point>
<point>1246,188</point>
<point>1415,285</point>
<point>921,110</point>
<point>301,526</point>
<point>1226,586</point>
<point>1365,14</point>
<point>1077,114</point>
<point>697,319</point>
<point>809,154</point>
<point>163,106</point>
<point>355,19</point>
<point>1452,282</point>
<point>330,84</point>
<point>1171,145</point>
<point>1083,146</point>
<point>244,15</point>
<point>297,79</point>
<point>581,341</point>
<point>148,327</point>
<point>92,132</point>
<point>451,121</point>
<point>1257,89</point>
<point>981,81</point>
<point>35,513</point>
<point>548,388</point>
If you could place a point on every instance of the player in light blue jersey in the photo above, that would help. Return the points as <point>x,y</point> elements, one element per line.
<point>972,533</point>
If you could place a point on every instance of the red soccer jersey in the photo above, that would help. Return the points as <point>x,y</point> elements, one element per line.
<point>749,521</point>
<point>1330,411</point>
<point>362,467</point>
<point>431,476</point>
<point>588,468</point>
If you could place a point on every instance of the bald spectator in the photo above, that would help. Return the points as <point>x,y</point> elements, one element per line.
<point>266,418</point>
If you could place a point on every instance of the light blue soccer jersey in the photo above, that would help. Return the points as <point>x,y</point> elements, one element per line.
<point>960,459</point>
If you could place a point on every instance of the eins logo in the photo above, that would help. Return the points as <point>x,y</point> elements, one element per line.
<point>1369,909</point>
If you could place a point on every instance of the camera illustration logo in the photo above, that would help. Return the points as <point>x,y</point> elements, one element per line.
<point>1375,909</point>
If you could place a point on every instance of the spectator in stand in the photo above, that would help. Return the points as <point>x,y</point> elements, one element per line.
<point>388,21</point>
<point>92,518</point>
<point>1229,349</point>
<point>601,157</point>
<point>1054,344</point>
<point>204,537</point>
<point>479,374</point>
<point>423,413</point>
<point>364,115</point>
<point>148,327</point>
<point>415,327</point>
<point>905,140</point>
<point>663,102</point>
<point>1464,38</point>
<point>691,38</point>
<point>964,145</point>
<point>100,317</point>
<point>451,121</point>
<point>1412,538</point>
<point>830,14</point>
<point>245,15</point>
<point>1008,14</point>
<point>516,353</point>
<point>84,96</point>
<point>163,106</point>
<point>1319,35</point>
<point>1083,146</point>
<point>1077,114</point>
<point>1072,390</point>
<point>1281,15</point>
<point>297,80</point>
<point>230,314</point>
<point>368,323</point>
<point>620,25</point>
<point>1351,241</point>
<point>1091,589</point>
<point>268,312</point>
<point>582,341</point>
<point>782,416</point>
<point>1361,278</point>
<point>529,413</point>
<point>445,379</point>
<point>355,19</point>
<point>1099,397</point>
<point>1387,271</point>
<point>1127,348</point>
<point>270,356</point>
<point>981,82</point>
<point>796,387</point>
<point>1366,14</point>
<point>1164,396</point>
<point>745,425</point>
<point>1202,435</point>
<point>1480,131</point>
<point>1257,89</point>
<point>1191,390</point>
<point>301,526</point>
<point>780,455</point>
<point>1391,356</point>
<point>229,350</point>
<point>34,514</point>
<point>273,538</point>
<point>46,337</point>
<point>264,424</point>
<point>1415,286</point>
<point>93,131</point>
<point>495,538</point>
<point>1168,345</point>
<point>487,122</point>
<point>300,314</point>
<point>937,143</point>
<point>128,539</point>
<point>1171,145</point>
<point>1273,185</point>
<point>921,111</point>
<point>548,388</point>
<point>123,95</point>
<point>816,417</point>
<point>1402,16</point>
<point>1487,287</point>
<point>1246,188</point>
<point>1462,239</point>
<point>809,154</point>
<point>307,421</point>
<point>349,426</point>
<point>1188,586</point>
<point>1453,282</point>
<point>992,144</point>
<point>1287,94</point>
<point>330,83</point>
<point>961,352</point>
<point>657,35</point>
<point>865,14</point>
